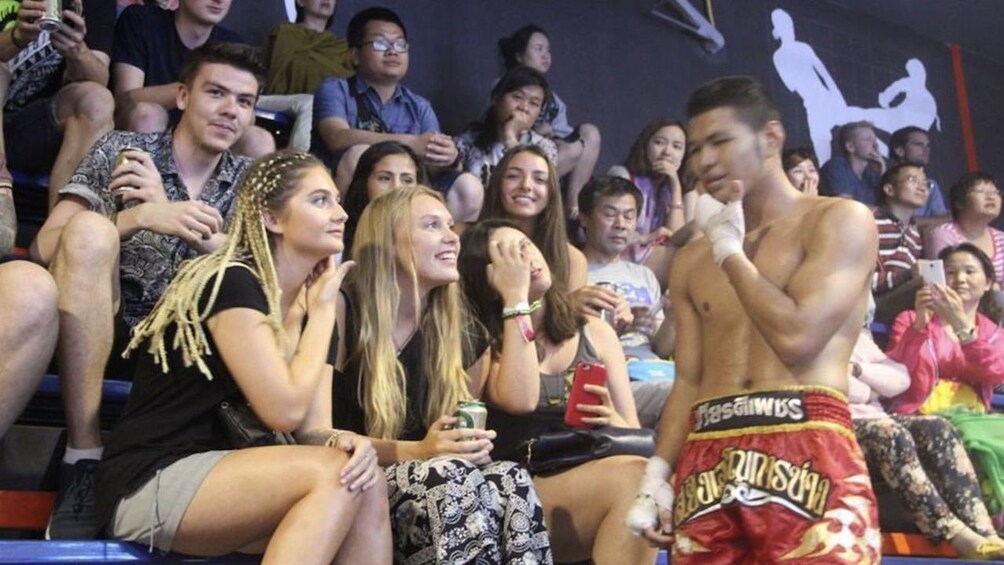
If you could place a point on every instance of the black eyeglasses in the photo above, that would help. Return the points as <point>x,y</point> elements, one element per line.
<point>382,45</point>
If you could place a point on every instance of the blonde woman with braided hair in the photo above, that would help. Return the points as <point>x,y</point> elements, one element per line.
<point>407,355</point>
<point>250,323</point>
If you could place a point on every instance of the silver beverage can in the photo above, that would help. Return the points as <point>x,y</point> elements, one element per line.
<point>607,315</point>
<point>471,414</point>
<point>121,159</point>
<point>53,16</point>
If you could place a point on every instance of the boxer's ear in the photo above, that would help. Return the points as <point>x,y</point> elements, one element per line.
<point>773,135</point>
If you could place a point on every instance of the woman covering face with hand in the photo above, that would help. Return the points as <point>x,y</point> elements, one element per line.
<point>800,166</point>
<point>534,353</point>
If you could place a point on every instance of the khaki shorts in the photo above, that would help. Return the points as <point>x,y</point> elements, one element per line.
<point>152,514</point>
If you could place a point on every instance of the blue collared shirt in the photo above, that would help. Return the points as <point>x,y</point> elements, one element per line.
<point>405,112</point>
<point>838,179</point>
<point>935,201</point>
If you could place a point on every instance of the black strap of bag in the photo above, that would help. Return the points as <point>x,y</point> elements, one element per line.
<point>244,428</point>
<point>552,452</point>
<point>365,118</point>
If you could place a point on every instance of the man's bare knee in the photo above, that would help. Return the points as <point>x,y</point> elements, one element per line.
<point>88,101</point>
<point>255,142</point>
<point>33,291</point>
<point>144,117</point>
<point>351,158</point>
<point>466,197</point>
<point>89,240</point>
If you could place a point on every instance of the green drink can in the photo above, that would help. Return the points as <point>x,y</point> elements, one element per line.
<point>471,414</point>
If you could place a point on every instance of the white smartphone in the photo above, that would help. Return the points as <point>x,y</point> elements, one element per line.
<point>932,271</point>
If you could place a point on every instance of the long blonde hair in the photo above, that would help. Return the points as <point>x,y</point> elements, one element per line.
<point>373,284</point>
<point>268,184</point>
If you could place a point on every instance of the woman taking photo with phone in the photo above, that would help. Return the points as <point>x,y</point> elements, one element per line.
<point>407,355</point>
<point>534,351</point>
<point>949,342</point>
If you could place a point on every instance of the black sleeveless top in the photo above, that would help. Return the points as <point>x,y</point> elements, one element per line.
<point>348,411</point>
<point>514,429</point>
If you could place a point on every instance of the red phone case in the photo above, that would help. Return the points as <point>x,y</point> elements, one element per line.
<point>585,374</point>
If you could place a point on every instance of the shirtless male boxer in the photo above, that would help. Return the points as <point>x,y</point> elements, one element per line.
<point>756,432</point>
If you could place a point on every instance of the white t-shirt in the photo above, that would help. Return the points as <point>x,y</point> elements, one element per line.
<point>639,285</point>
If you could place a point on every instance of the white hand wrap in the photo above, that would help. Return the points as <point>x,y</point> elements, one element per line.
<point>654,494</point>
<point>723,224</point>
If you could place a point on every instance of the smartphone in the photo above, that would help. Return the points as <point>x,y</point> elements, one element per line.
<point>585,374</point>
<point>932,271</point>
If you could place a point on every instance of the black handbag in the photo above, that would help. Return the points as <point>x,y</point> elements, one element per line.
<point>551,452</point>
<point>244,428</point>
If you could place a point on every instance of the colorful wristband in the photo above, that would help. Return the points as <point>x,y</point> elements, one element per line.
<point>525,327</point>
<point>520,309</point>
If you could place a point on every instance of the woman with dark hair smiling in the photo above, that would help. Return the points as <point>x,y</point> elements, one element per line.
<point>382,167</point>
<point>654,165</point>
<point>802,170</point>
<point>950,342</point>
<point>524,190</point>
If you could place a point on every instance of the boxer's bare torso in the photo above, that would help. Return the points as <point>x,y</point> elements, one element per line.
<point>735,356</point>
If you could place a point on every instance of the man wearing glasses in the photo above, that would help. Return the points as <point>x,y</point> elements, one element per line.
<point>352,114</point>
<point>912,145</point>
<point>903,191</point>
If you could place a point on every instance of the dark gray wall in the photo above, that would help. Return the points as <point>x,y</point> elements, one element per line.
<point>618,67</point>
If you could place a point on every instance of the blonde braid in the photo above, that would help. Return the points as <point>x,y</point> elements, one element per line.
<point>266,186</point>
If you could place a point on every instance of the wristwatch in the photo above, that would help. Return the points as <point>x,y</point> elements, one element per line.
<point>966,335</point>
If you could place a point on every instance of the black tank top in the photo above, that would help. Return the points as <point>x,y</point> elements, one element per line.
<point>514,429</point>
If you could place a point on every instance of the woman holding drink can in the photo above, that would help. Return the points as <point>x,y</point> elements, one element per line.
<point>407,358</point>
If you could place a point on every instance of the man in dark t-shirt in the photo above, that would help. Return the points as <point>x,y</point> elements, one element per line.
<point>151,45</point>
<point>56,103</point>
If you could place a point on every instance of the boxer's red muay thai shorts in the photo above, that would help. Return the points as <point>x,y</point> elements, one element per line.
<point>774,477</point>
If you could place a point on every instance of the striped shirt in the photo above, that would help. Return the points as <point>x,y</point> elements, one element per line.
<point>899,248</point>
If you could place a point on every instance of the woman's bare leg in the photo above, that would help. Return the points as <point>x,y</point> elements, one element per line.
<point>290,494</point>
<point>578,160</point>
<point>586,509</point>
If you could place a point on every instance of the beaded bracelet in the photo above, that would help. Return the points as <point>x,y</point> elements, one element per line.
<point>332,440</point>
<point>520,309</point>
